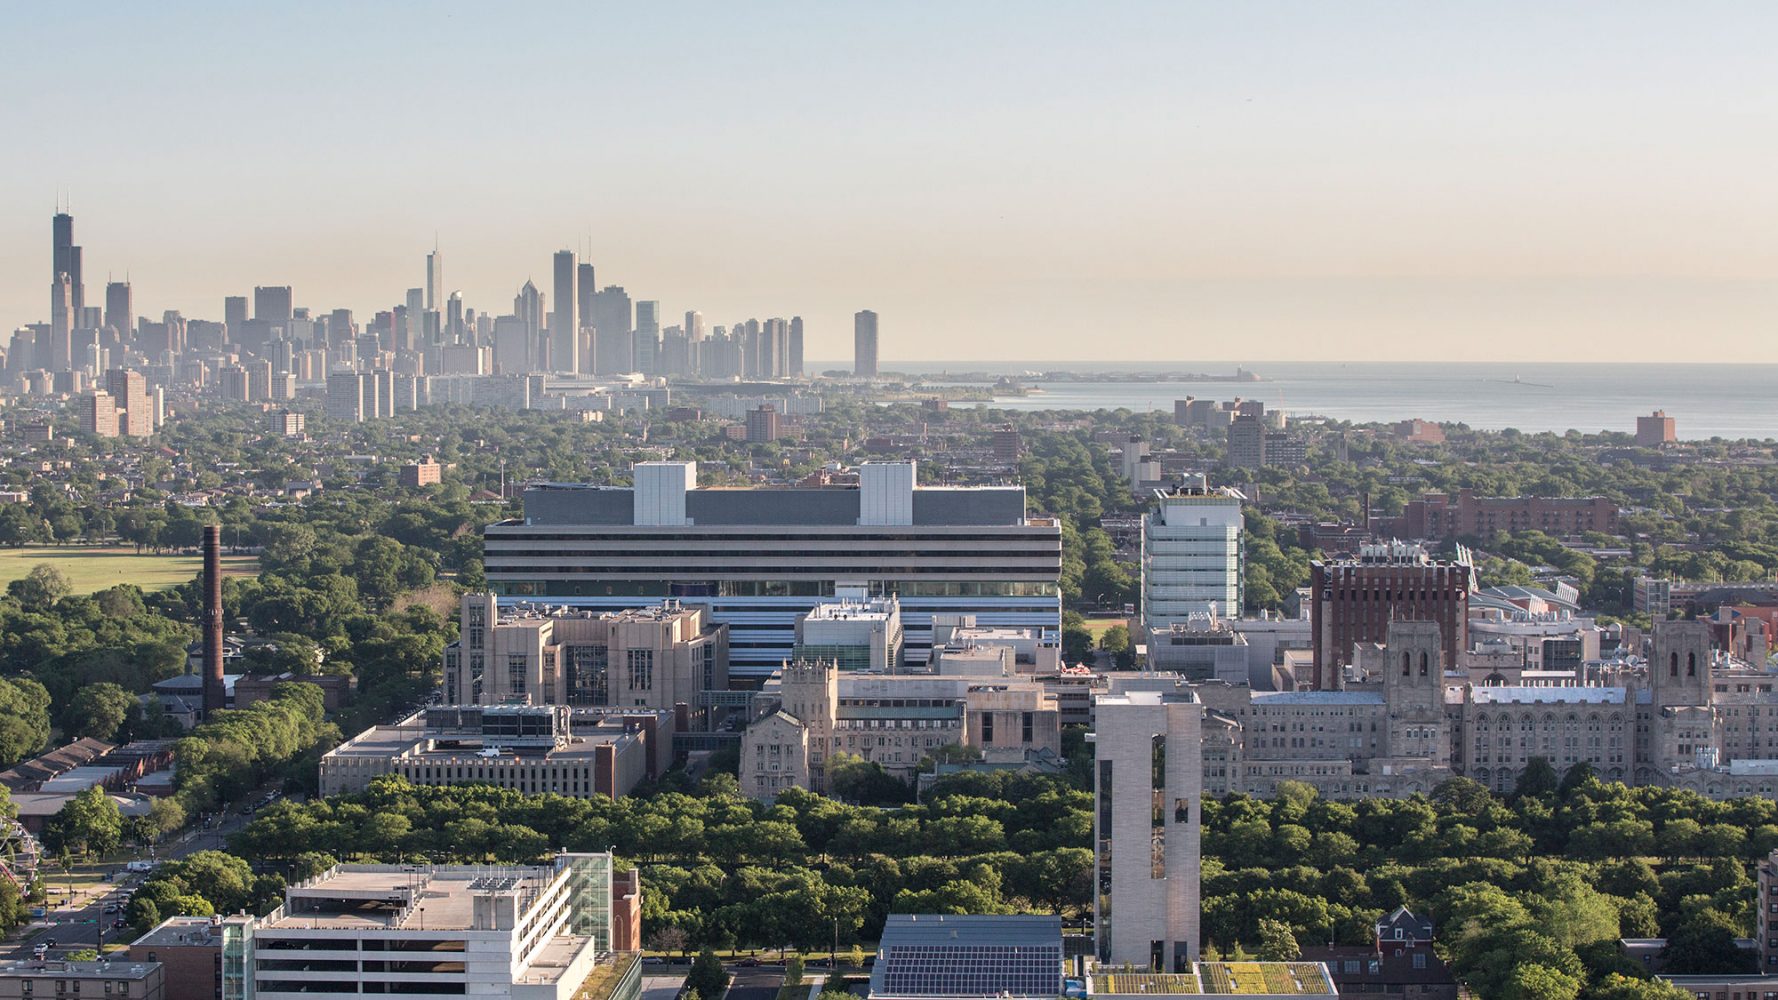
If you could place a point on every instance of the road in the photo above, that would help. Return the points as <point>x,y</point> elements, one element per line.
<point>83,922</point>
<point>760,983</point>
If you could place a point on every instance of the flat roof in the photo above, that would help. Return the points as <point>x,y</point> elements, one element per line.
<point>189,931</point>
<point>1224,978</point>
<point>1520,695</point>
<point>78,970</point>
<point>395,897</point>
<point>905,929</point>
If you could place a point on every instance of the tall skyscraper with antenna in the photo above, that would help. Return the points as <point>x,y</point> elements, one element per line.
<point>66,260</point>
<point>434,279</point>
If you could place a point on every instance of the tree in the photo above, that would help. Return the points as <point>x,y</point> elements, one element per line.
<point>1535,981</point>
<point>1276,943</point>
<point>1704,942</point>
<point>1537,781</point>
<point>24,719</point>
<point>98,710</point>
<point>707,975</point>
<point>41,588</point>
<point>90,823</point>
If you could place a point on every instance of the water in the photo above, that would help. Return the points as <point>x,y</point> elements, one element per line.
<point>1706,400</point>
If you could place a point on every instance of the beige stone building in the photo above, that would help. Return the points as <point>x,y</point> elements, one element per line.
<point>655,657</point>
<point>894,720</point>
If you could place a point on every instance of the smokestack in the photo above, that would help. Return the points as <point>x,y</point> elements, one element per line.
<point>215,694</point>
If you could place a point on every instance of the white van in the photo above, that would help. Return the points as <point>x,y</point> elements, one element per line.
<point>141,866</point>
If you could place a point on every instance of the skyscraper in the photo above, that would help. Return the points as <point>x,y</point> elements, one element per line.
<point>528,307</point>
<point>61,326</point>
<point>694,325</point>
<point>564,332</point>
<point>415,317</point>
<point>648,336</point>
<point>129,393</point>
<point>234,315</point>
<point>434,280</point>
<point>795,369</point>
<point>864,343</point>
<point>66,260</point>
<point>273,303</point>
<point>612,319</point>
<point>120,313</point>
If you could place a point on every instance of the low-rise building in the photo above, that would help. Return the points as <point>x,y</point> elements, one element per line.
<point>938,957</point>
<point>189,951</point>
<point>525,932</point>
<point>24,980</point>
<point>535,749</point>
<point>1400,961</point>
<point>863,635</point>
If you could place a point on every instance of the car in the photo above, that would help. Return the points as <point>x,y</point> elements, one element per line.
<point>141,866</point>
<point>110,907</point>
<point>748,963</point>
<point>40,951</point>
<point>48,943</point>
<point>653,960</point>
<point>38,911</point>
<point>120,923</point>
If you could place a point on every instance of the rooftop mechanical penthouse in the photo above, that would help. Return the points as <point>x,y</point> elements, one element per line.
<point>759,557</point>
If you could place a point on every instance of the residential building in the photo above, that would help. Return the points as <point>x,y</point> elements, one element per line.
<point>1354,601</point>
<point>536,749</point>
<point>1443,517</point>
<point>764,424</point>
<point>1192,558</point>
<point>285,423</point>
<point>864,344</point>
<point>98,414</point>
<point>1148,782</point>
<point>655,657</point>
<point>1400,961</point>
<point>1009,446</point>
<point>1653,597</point>
<point>425,472</point>
<point>1655,430</point>
<point>758,558</point>
<point>1246,443</point>
<point>1765,914</point>
<point>45,978</point>
<point>525,932</point>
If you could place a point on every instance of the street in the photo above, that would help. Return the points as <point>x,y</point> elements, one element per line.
<point>81,922</point>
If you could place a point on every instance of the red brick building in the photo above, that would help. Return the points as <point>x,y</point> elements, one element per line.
<point>1442,516</point>
<point>1355,600</point>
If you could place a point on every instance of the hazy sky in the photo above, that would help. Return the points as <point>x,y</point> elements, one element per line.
<point>1168,181</point>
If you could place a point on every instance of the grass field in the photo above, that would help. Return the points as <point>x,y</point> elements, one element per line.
<point>1097,626</point>
<point>92,568</point>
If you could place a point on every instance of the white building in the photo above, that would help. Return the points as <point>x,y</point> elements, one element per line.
<point>858,635</point>
<point>1191,554</point>
<point>529,933</point>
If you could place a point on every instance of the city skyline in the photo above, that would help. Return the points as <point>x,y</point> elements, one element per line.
<point>1260,183</point>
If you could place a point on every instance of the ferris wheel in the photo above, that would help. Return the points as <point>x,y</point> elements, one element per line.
<point>19,855</point>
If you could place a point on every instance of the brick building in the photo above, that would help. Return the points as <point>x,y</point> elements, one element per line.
<point>1442,516</point>
<point>1355,600</point>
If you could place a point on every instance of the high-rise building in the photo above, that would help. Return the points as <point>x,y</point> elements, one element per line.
<point>1148,786</point>
<point>1192,556</point>
<point>1247,443</point>
<point>564,329</point>
<point>234,315</point>
<point>758,558</point>
<point>66,260</point>
<point>98,414</point>
<point>795,369</point>
<point>56,356</point>
<point>864,343</point>
<point>528,307</point>
<point>434,280</point>
<point>1354,601</point>
<point>648,336</point>
<point>586,289</point>
<point>512,346</point>
<point>415,317</point>
<point>273,303</point>
<point>120,313</point>
<point>613,323</point>
<point>1655,430</point>
<point>763,424</point>
<point>345,397</point>
<point>130,390</point>
<point>694,326</point>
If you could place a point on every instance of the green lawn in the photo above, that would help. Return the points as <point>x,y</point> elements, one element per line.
<point>1097,626</point>
<point>92,568</point>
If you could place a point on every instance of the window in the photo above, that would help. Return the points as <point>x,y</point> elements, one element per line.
<point>1419,960</point>
<point>641,669</point>
<point>987,727</point>
<point>516,672</point>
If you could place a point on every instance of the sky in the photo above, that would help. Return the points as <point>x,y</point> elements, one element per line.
<point>1009,181</point>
